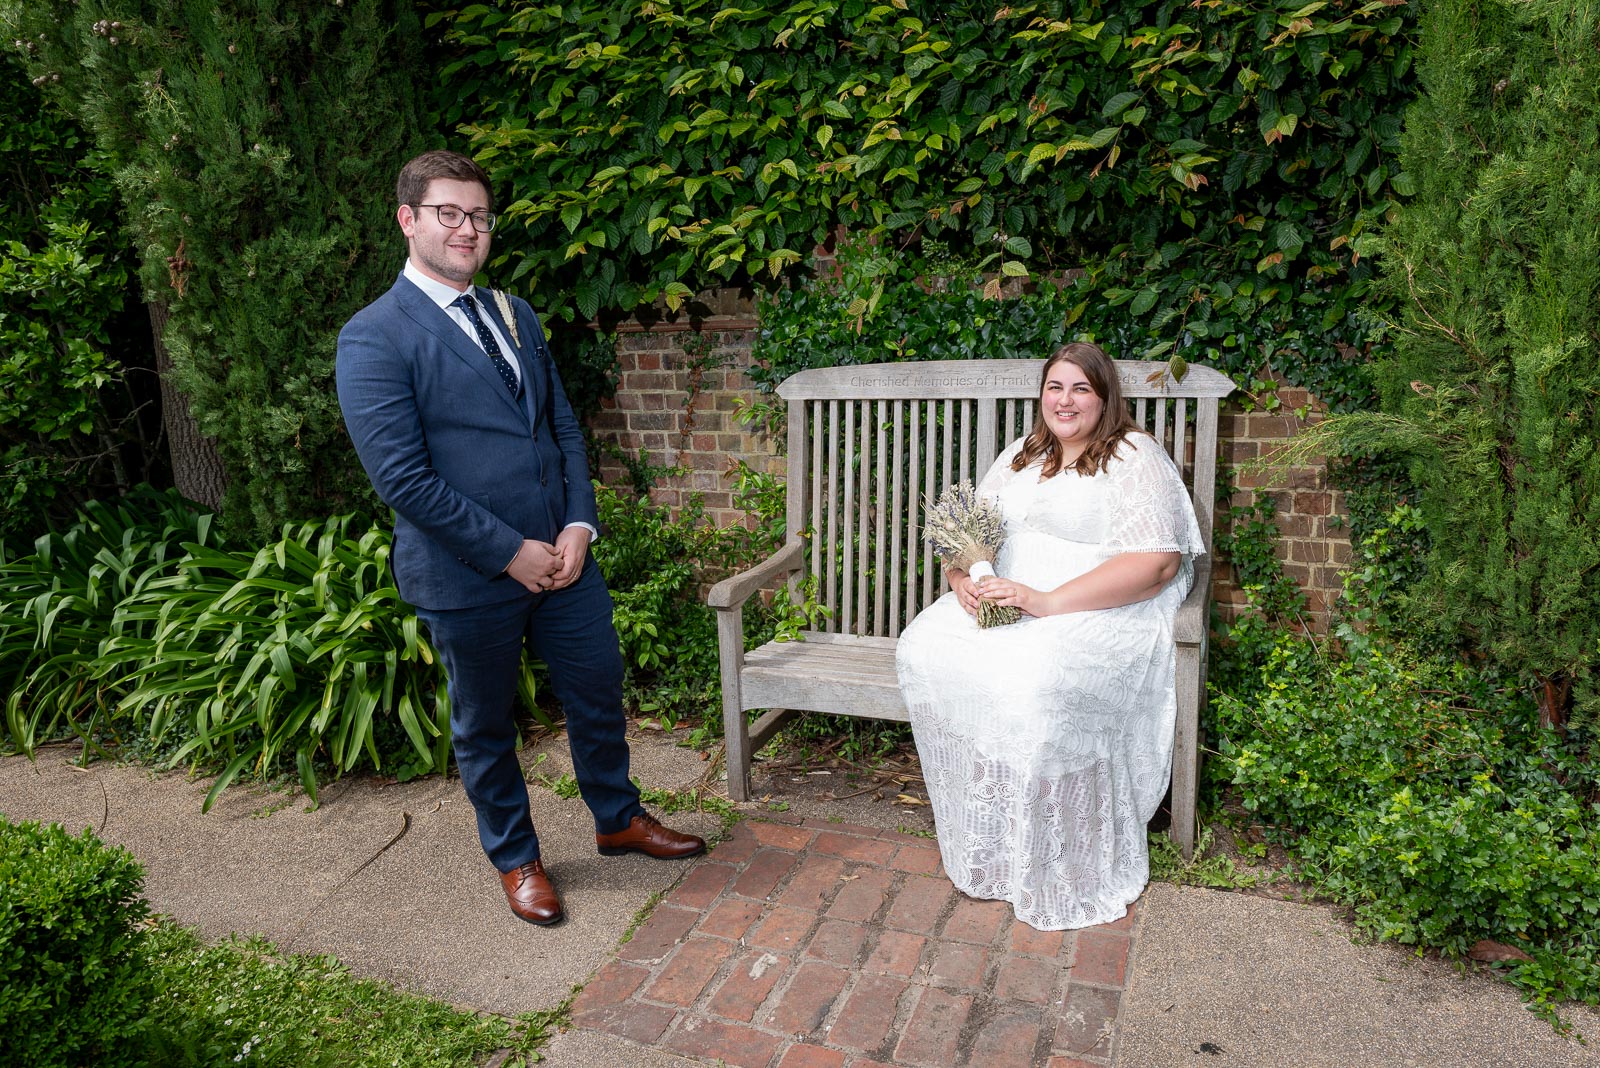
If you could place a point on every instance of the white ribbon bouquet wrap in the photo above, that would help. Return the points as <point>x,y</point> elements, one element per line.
<point>966,531</point>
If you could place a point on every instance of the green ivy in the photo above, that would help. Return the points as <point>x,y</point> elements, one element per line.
<point>878,307</point>
<point>1214,169</point>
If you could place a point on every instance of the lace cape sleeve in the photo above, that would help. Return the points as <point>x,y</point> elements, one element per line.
<point>999,474</point>
<point>1150,509</point>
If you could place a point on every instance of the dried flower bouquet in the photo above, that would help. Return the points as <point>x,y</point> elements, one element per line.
<point>965,530</point>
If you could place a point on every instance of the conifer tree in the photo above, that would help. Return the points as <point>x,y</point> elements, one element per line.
<point>255,147</point>
<point>1494,387</point>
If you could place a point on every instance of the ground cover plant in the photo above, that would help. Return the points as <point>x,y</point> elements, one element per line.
<point>1423,794</point>
<point>1412,784</point>
<point>658,565</point>
<point>145,632</point>
<point>88,977</point>
<point>57,604</point>
<point>141,627</point>
<point>243,1001</point>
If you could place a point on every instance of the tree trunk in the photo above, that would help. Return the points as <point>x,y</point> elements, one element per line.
<point>1553,693</point>
<point>197,470</point>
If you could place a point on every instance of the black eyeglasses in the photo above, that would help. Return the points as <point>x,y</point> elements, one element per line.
<point>452,216</point>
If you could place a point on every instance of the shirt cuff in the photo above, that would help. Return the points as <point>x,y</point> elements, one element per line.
<point>594,535</point>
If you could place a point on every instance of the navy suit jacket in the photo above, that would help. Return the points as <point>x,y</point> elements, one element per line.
<point>469,470</point>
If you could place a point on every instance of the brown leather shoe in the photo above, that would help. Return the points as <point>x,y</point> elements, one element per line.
<point>645,834</point>
<point>532,895</point>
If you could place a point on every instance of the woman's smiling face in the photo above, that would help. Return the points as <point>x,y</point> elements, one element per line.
<point>1070,406</point>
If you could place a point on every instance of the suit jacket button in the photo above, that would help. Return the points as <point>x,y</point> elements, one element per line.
<point>544,481</point>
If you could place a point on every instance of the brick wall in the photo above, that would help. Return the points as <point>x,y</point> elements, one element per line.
<point>678,390</point>
<point>680,386</point>
<point>1314,541</point>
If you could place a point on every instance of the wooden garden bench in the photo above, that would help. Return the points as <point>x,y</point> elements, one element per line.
<point>867,445</point>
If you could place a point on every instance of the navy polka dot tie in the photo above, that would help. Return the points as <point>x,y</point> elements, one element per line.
<point>490,345</point>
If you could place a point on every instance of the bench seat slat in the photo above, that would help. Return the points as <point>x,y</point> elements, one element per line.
<point>835,673</point>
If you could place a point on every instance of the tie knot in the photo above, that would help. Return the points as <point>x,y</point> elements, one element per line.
<point>466,301</point>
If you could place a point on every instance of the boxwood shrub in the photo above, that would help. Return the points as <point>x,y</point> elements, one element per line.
<point>74,985</point>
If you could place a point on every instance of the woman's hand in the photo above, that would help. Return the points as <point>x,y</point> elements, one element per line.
<point>1004,591</point>
<point>966,590</point>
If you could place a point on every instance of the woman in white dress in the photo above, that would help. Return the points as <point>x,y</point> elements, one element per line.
<point>1046,745</point>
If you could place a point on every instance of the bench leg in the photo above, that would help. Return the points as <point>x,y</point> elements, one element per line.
<point>735,732</point>
<point>1186,748</point>
<point>746,740</point>
<point>736,750</point>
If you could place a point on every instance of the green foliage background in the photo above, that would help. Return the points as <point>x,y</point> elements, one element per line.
<point>254,149</point>
<point>1413,785</point>
<point>74,363</point>
<point>1493,391</point>
<point>1216,169</point>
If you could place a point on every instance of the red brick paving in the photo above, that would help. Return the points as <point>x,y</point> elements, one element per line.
<point>824,945</point>
<point>1100,958</point>
<point>923,860</point>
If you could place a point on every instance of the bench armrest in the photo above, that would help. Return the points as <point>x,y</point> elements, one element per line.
<point>733,592</point>
<point>1194,613</point>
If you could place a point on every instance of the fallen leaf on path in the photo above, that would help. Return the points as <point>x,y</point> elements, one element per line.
<point>1489,950</point>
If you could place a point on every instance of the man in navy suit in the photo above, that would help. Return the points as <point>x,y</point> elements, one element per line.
<point>459,418</point>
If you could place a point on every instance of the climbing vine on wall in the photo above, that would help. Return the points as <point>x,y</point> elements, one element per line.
<point>1207,163</point>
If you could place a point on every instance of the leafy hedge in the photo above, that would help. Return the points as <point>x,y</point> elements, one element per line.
<point>1492,396</point>
<point>73,982</point>
<point>1215,168</point>
<point>75,368</point>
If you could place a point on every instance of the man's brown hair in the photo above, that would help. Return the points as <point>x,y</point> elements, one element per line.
<point>412,185</point>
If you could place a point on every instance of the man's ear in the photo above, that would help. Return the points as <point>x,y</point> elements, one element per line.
<point>407,218</point>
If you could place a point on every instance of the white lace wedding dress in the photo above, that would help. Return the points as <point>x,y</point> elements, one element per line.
<point>1047,744</point>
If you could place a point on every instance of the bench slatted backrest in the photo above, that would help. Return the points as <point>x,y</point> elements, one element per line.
<point>870,444</point>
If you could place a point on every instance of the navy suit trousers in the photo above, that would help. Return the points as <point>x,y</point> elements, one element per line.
<point>571,631</point>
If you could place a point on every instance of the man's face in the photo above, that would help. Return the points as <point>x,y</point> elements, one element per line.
<point>443,254</point>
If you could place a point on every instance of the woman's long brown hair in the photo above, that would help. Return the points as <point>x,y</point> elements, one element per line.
<point>1115,422</point>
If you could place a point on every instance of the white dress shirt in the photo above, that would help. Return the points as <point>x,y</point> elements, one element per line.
<point>446,295</point>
